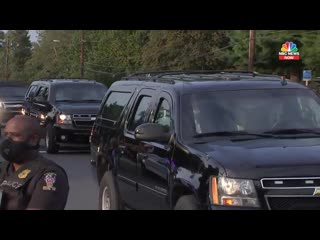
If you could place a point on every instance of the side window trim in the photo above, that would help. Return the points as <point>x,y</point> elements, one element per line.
<point>164,96</point>
<point>160,103</point>
<point>46,93</point>
<point>39,91</point>
<point>32,89</point>
<point>144,92</point>
<point>106,100</point>
<point>136,106</point>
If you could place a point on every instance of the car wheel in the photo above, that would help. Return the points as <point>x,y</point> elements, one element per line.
<point>50,140</point>
<point>100,169</point>
<point>108,196</point>
<point>187,202</point>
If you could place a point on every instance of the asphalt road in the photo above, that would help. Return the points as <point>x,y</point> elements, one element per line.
<point>84,189</point>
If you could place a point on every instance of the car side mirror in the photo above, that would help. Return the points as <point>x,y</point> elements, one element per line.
<point>42,101</point>
<point>152,132</point>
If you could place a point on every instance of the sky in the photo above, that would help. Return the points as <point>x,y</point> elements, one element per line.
<point>33,35</point>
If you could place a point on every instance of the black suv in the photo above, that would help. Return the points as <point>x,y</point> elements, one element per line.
<point>208,140</point>
<point>11,100</point>
<point>67,109</point>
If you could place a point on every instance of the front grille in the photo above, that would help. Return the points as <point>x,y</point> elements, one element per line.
<point>13,106</point>
<point>277,183</point>
<point>84,120</point>
<point>294,203</point>
<point>300,193</point>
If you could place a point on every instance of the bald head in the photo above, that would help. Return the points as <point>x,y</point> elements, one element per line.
<point>23,128</point>
<point>27,124</point>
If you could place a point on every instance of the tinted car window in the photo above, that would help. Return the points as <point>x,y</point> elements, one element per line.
<point>114,105</point>
<point>13,91</point>
<point>80,92</point>
<point>163,116</point>
<point>46,93</point>
<point>139,115</point>
<point>43,91</point>
<point>249,110</point>
<point>32,91</point>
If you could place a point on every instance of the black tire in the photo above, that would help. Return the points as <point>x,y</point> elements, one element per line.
<point>50,139</point>
<point>108,196</point>
<point>187,202</point>
<point>100,168</point>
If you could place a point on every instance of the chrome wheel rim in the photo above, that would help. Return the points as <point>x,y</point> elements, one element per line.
<point>106,202</point>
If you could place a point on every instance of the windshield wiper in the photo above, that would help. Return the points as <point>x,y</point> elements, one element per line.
<point>229,133</point>
<point>293,131</point>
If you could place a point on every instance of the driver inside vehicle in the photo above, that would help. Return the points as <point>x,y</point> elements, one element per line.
<point>216,119</point>
<point>292,110</point>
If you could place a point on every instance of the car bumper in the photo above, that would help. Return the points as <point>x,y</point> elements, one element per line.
<point>216,207</point>
<point>70,136</point>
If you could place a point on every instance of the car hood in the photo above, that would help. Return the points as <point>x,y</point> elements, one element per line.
<point>255,159</point>
<point>78,108</point>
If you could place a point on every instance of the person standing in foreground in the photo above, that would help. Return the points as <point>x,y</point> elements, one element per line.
<point>28,181</point>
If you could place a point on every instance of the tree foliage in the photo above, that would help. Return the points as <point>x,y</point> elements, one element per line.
<point>108,55</point>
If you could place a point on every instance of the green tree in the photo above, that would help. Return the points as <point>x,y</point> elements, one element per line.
<point>186,49</point>
<point>2,54</point>
<point>20,52</point>
<point>50,55</point>
<point>268,45</point>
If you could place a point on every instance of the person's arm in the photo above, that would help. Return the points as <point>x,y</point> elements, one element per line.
<point>51,192</point>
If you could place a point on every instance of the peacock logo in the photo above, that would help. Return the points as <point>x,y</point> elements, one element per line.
<point>289,51</point>
<point>289,47</point>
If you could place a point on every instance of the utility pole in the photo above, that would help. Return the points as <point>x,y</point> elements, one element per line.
<point>81,55</point>
<point>252,41</point>
<point>7,59</point>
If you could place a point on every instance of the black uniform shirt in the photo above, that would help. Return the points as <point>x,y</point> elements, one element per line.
<point>38,184</point>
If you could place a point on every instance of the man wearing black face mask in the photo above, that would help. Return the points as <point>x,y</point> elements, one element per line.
<point>27,180</point>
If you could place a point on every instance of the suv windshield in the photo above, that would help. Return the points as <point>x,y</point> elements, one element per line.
<point>80,92</point>
<point>13,91</point>
<point>252,111</point>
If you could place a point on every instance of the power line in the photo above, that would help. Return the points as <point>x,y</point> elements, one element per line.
<point>109,73</point>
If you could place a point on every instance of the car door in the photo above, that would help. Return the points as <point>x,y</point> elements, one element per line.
<point>28,99</point>
<point>154,161</point>
<point>129,148</point>
<point>39,110</point>
<point>107,125</point>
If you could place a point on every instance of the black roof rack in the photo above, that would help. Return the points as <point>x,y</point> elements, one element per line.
<point>66,79</point>
<point>171,76</point>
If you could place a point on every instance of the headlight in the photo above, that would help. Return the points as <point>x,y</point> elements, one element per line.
<point>64,119</point>
<point>23,111</point>
<point>233,192</point>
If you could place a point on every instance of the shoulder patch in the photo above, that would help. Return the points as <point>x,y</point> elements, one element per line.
<point>50,179</point>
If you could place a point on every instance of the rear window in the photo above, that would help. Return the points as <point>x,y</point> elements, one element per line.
<point>114,105</point>
<point>80,92</point>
